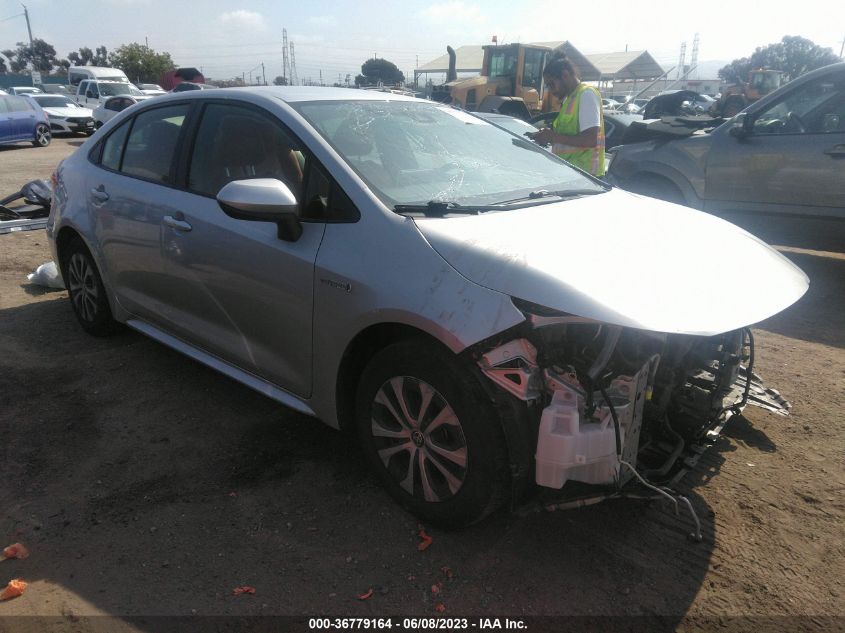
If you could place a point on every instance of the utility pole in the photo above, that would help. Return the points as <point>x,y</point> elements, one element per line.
<point>285,62</point>
<point>842,48</point>
<point>243,78</point>
<point>321,76</point>
<point>29,30</point>
<point>262,74</point>
<point>293,77</point>
<point>146,42</point>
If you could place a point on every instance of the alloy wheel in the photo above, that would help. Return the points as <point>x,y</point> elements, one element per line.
<point>419,439</point>
<point>82,284</point>
<point>42,135</point>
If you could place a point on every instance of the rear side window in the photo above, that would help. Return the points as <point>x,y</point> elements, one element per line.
<point>113,147</point>
<point>152,143</point>
<point>19,104</point>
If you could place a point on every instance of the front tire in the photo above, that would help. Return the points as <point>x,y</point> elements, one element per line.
<point>42,135</point>
<point>431,434</point>
<point>86,291</point>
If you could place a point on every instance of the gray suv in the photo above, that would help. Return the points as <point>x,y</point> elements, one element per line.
<point>466,303</point>
<point>783,154</point>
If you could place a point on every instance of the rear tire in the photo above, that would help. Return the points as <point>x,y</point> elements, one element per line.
<point>42,135</point>
<point>431,435</point>
<point>86,290</point>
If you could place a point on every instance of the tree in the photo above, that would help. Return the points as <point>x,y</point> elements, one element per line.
<point>42,56</point>
<point>793,55</point>
<point>140,62</point>
<point>377,70</point>
<point>3,68</point>
<point>280,81</point>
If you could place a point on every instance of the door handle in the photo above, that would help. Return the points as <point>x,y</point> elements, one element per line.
<point>173,223</point>
<point>836,150</point>
<point>100,194</point>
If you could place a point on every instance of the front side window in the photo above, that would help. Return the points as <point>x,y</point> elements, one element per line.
<point>238,143</point>
<point>411,152</point>
<point>502,63</point>
<point>816,108</point>
<point>152,143</point>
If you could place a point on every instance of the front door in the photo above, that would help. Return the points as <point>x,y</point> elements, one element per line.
<point>793,160</point>
<point>238,291</point>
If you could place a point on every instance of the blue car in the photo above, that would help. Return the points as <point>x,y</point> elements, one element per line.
<point>22,119</point>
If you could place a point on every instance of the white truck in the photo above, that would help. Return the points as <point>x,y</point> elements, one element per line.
<point>91,92</point>
<point>77,74</point>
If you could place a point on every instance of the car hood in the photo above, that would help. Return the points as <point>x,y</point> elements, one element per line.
<point>69,112</point>
<point>624,259</point>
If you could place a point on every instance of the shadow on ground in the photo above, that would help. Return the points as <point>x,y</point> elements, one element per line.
<point>146,484</point>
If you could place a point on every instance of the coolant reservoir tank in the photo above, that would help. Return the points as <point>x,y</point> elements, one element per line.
<point>569,447</point>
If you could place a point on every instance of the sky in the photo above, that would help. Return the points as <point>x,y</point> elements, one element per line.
<point>334,37</point>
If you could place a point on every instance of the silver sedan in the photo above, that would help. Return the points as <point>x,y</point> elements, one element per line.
<point>488,320</point>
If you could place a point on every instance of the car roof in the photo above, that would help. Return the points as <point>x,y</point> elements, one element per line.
<point>293,94</point>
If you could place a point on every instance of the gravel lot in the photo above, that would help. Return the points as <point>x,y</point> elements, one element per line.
<point>145,484</point>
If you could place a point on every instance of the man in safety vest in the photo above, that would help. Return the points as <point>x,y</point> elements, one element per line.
<point>577,134</point>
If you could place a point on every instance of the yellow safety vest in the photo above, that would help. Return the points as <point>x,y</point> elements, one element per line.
<point>590,159</point>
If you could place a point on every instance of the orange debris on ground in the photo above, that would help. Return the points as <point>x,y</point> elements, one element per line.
<point>15,550</point>
<point>239,591</point>
<point>440,608</point>
<point>426,540</point>
<point>14,589</point>
<point>366,596</point>
<point>447,571</point>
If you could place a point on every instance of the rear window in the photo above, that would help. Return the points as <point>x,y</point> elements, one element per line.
<point>19,104</point>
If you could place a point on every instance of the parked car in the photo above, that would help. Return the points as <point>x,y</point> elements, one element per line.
<point>190,85</point>
<point>456,296</point>
<point>151,90</point>
<point>616,125</point>
<point>58,89</point>
<point>91,93</point>
<point>110,108</point>
<point>783,154</point>
<point>21,119</point>
<point>24,90</point>
<point>65,115</point>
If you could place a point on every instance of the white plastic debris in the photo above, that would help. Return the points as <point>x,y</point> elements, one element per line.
<point>47,275</point>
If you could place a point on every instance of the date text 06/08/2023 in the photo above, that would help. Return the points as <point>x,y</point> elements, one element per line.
<point>415,624</point>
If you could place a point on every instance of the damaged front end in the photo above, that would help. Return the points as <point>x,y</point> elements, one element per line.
<point>606,404</point>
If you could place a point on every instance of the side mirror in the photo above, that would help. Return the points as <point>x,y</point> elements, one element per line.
<point>263,200</point>
<point>742,127</point>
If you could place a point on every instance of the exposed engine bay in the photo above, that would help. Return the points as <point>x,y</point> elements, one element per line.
<point>618,403</point>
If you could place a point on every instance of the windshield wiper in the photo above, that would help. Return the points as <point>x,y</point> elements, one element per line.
<point>440,208</point>
<point>564,194</point>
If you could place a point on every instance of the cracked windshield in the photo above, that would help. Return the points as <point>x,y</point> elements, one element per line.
<point>417,153</point>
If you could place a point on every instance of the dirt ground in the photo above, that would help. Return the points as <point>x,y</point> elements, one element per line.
<point>147,485</point>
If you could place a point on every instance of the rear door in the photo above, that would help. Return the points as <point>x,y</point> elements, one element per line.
<point>794,159</point>
<point>6,121</point>
<point>129,196</point>
<point>23,116</point>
